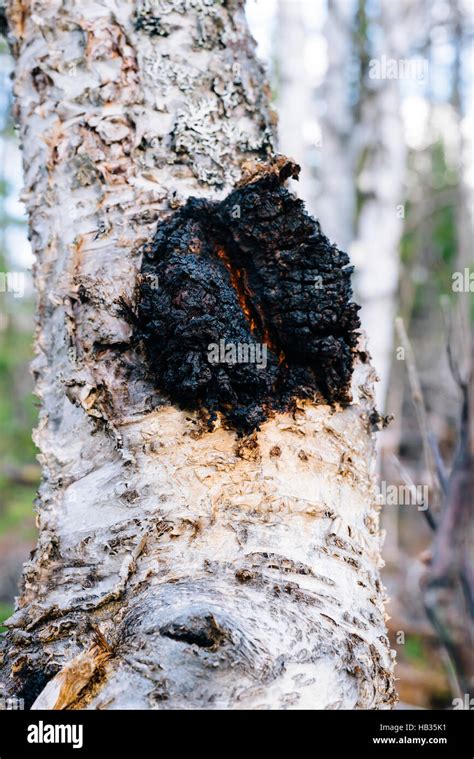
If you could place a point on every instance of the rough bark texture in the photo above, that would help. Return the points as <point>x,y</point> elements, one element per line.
<point>175,567</point>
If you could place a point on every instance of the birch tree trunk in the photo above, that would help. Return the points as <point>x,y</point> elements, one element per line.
<point>175,567</point>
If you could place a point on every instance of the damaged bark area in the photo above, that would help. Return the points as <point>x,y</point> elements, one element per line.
<point>251,273</point>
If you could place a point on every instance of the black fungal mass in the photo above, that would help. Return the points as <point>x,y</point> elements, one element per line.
<point>244,306</point>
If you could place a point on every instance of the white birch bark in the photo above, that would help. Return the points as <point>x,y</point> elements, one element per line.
<point>175,568</point>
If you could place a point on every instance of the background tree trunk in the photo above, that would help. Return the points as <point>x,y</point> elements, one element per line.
<point>294,96</point>
<point>336,200</point>
<point>380,183</point>
<point>175,568</point>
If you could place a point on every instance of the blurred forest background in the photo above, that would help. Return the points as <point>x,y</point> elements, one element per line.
<point>375,101</point>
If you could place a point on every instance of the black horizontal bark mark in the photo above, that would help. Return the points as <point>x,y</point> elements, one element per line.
<point>253,271</point>
<point>203,631</point>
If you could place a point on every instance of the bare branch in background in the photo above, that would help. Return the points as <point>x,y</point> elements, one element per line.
<point>420,409</point>
<point>449,583</point>
<point>410,484</point>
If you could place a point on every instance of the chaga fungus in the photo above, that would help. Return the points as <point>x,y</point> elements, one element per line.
<point>253,279</point>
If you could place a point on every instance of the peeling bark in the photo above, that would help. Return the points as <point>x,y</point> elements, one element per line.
<point>175,567</point>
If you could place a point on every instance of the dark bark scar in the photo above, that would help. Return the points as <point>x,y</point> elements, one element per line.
<point>244,306</point>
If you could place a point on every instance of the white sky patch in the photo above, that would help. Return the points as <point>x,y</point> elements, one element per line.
<point>18,248</point>
<point>14,236</point>
<point>441,11</point>
<point>316,58</point>
<point>312,132</point>
<point>314,13</point>
<point>358,254</point>
<point>467,129</point>
<point>261,16</point>
<point>262,19</point>
<point>415,113</point>
<point>14,207</point>
<point>444,54</point>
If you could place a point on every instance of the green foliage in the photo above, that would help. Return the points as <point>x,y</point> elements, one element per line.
<point>17,410</point>
<point>430,241</point>
<point>441,174</point>
<point>6,611</point>
<point>414,650</point>
<point>18,415</point>
<point>19,474</point>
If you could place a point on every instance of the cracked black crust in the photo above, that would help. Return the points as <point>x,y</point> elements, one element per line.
<point>253,268</point>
